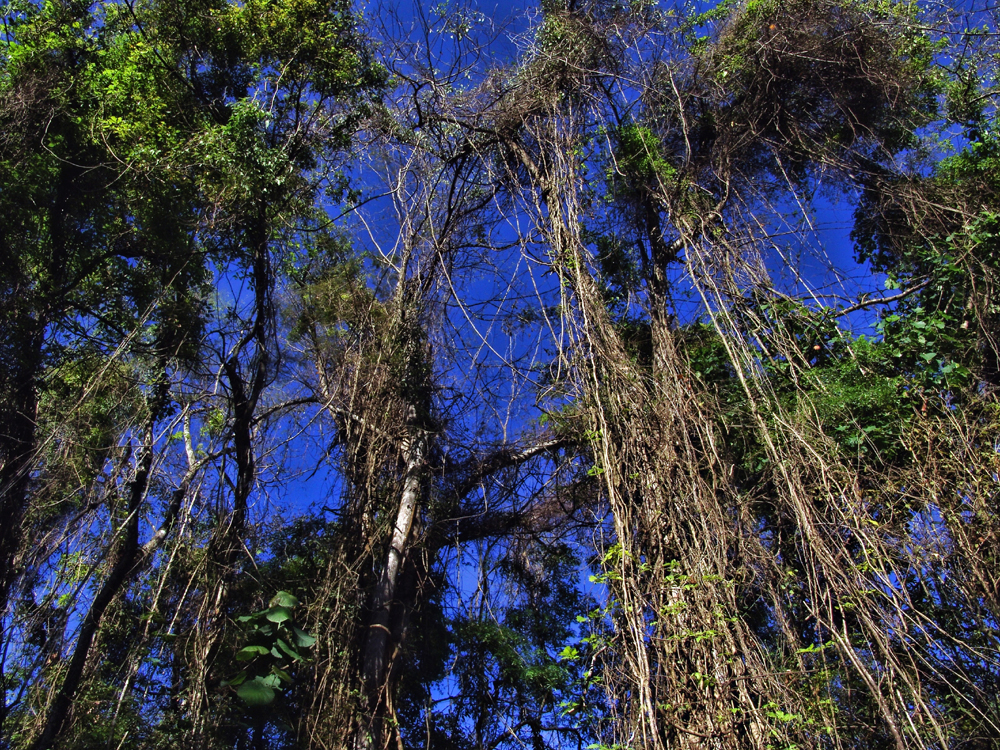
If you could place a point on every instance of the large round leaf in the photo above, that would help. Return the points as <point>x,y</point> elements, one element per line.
<point>255,692</point>
<point>284,599</point>
<point>279,614</point>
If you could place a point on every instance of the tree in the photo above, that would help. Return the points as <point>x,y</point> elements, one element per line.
<point>538,320</point>
<point>142,131</point>
<point>371,344</point>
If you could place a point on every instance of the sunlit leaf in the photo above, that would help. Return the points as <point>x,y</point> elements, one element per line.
<point>283,599</point>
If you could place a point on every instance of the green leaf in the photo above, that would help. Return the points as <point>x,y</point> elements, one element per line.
<point>236,681</point>
<point>281,674</point>
<point>271,681</point>
<point>279,614</point>
<point>256,692</point>
<point>302,638</point>
<point>249,652</point>
<point>289,650</point>
<point>254,616</point>
<point>569,654</point>
<point>283,599</point>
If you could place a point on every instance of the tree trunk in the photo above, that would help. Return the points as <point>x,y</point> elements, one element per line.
<point>380,639</point>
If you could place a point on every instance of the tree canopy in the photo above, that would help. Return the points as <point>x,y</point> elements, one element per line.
<point>621,376</point>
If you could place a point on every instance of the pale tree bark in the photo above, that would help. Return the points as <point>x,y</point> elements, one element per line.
<point>397,587</point>
<point>380,639</point>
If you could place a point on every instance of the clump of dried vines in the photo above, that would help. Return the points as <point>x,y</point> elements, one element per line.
<point>793,608</point>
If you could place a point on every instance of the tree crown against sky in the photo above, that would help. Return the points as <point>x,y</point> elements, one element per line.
<point>607,440</point>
